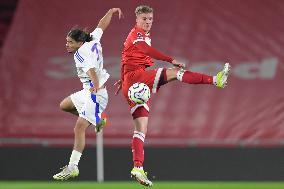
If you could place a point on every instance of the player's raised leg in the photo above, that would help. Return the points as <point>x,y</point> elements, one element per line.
<point>67,105</point>
<point>186,76</point>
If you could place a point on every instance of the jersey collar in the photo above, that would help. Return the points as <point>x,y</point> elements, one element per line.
<point>141,30</point>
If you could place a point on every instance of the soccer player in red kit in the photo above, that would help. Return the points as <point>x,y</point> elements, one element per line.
<point>138,55</point>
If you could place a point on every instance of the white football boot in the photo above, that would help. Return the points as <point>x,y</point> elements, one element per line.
<point>141,176</point>
<point>220,80</point>
<point>68,171</point>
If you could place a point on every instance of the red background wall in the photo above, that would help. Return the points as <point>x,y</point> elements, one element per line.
<point>36,73</point>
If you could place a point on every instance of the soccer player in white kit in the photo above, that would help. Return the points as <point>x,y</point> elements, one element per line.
<point>90,102</point>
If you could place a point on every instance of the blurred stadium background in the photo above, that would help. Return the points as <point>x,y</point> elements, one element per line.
<point>196,133</point>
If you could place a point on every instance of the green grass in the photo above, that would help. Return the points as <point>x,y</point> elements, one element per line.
<point>134,185</point>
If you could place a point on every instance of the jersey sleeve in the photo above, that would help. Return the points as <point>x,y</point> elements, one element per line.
<point>82,56</point>
<point>97,34</point>
<point>150,51</point>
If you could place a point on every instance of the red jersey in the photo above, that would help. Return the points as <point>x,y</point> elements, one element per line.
<point>137,54</point>
<point>131,55</point>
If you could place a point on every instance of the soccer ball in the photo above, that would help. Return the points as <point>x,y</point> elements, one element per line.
<point>139,93</point>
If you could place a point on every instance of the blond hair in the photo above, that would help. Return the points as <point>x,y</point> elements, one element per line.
<point>143,9</point>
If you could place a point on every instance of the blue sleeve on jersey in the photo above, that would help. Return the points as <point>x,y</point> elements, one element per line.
<point>79,57</point>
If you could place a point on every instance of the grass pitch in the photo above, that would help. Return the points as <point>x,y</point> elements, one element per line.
<point>134,185</point>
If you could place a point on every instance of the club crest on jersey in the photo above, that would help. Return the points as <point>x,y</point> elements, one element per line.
<point>139,35</point>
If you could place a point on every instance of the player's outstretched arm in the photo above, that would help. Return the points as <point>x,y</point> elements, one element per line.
<point>150,51</point>
<point>105,21</point>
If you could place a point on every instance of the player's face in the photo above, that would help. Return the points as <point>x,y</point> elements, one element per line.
<point>145,21</point>
<point>71,45</point>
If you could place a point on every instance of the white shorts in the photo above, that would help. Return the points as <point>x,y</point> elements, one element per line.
<point>90,105</point>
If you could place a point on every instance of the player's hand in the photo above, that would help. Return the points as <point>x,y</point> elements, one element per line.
<point>93,90</point>
<point>178,64</point>
<point>119,85</point>
<point>120,14</point>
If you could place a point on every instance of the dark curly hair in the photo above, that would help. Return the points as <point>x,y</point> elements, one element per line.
<point>79,35</point>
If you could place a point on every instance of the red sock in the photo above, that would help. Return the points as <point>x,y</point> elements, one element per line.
<point>138,148</point>
<point>194,78</point>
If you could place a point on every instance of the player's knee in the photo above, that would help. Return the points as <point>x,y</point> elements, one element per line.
<point>67,105</point>
<point>64,106</point>
<point>172,73</point>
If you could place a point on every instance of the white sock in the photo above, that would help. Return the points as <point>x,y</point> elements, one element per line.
<point>140,168</point>
<point>180,74</point>
<point>139,135</point>
<point>75,158</point>
<point>215,80</point>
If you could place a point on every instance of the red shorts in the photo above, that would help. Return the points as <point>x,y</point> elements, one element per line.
<point>149,77</point>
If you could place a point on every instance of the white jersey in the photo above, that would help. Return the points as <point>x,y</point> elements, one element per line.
<point>90,55</point>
